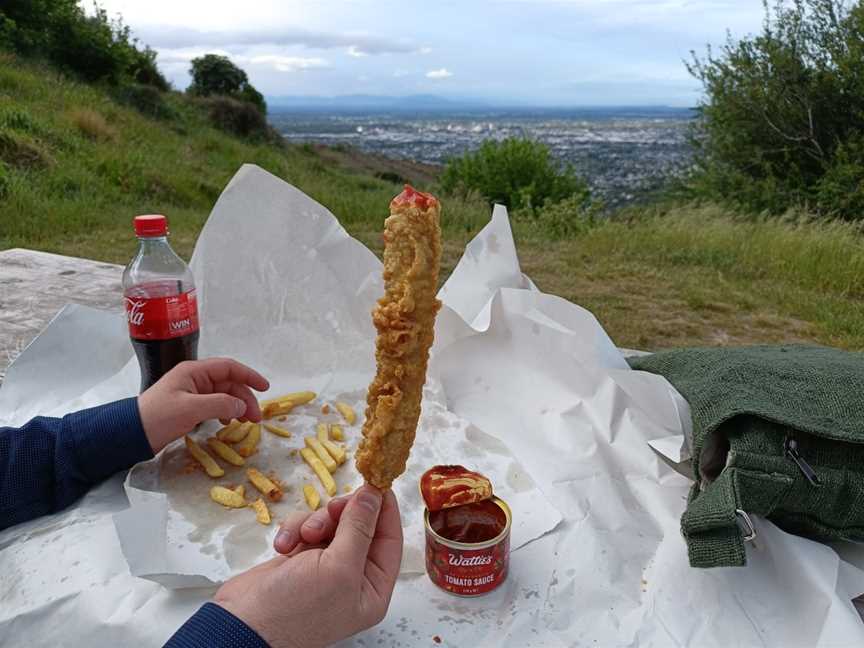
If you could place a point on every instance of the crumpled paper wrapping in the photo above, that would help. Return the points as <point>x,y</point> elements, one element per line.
<point>528,371</point>
<point>297,307</point>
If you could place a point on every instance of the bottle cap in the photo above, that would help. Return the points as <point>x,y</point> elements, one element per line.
<point>150,225</point>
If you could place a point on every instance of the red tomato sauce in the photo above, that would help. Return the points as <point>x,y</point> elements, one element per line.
<point>411,196</point>
<point>469,523</point>
<point>445,486</point>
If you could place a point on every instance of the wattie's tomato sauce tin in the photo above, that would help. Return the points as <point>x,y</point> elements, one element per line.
<point>468,546</point>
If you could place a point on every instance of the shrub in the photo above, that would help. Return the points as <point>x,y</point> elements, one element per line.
<point>840,190</point>
<point>95,47</point>
<point>391,176</point>
<point>782,111</point>
<point>91,124</point>
<point>237,117</point>
<point>217,75</point>
<point>145,72</point>
<point>146,99</point>
<point>7,30</point>
<point>568,218</point>
<point>517,172</point>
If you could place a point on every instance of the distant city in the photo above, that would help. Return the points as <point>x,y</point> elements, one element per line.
<point>623,152</point>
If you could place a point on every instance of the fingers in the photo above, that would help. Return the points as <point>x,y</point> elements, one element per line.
<point>252,411</point>
<point>310,529</point>
<point>356,529</point>
<point>320,527</point>
<point>336,505</point>
<point>385,553</point>
<point>225,370</point>
<point>288,536</point>
<point>216,406</point>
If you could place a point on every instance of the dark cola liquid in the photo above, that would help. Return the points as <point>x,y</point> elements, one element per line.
<point>158,357</point>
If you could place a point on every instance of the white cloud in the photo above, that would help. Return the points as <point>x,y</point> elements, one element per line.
<point>424,50</point>
<point>285,63</point>
<point>178,57</point>
<point>357,44</point>
<point>441,73</point>
<point>185,55</point>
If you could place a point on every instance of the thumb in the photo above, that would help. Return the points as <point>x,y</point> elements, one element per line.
<point>217,406</point>
<point>356,528</point>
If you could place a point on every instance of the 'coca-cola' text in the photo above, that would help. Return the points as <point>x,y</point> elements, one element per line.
<point>162,318</point>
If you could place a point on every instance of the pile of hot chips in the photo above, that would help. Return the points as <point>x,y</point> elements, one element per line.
<point>238,441</point>
<point>323,455</point>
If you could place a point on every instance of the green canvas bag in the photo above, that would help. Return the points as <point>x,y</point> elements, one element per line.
<point>777,432</point>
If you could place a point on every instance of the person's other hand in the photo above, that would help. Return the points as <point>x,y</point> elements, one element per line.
<point>197,391</point>
<point>318,595</point>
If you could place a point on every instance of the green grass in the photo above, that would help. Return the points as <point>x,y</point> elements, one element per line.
<point>696,275</point>
<point>77,166</point>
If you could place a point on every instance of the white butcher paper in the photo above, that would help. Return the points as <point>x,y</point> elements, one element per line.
<point>525,385</point>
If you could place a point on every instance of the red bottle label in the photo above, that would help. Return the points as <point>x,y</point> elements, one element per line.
<point>162,318</point>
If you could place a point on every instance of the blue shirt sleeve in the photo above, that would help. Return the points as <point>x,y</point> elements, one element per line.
<point>213,626</point>
<point>51,462</point>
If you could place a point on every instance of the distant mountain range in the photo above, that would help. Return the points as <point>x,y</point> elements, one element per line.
<point>425,103</point>
<point>373,102</point>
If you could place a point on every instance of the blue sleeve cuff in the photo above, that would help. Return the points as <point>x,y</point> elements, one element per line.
<point>107,439</point>
<point>213,626</point>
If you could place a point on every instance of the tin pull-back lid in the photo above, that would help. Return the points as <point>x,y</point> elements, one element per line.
<point>447,486</point>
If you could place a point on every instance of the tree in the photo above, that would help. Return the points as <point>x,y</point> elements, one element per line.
<point>782,119</point>
<point>217,75</point>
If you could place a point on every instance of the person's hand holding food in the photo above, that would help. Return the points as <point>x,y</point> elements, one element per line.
<point>335,577</point>
<point>197,391</point>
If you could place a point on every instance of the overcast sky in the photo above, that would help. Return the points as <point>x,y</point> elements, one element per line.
<point>545,52</point>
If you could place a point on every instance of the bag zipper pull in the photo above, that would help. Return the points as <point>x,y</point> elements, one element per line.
<point>791,448</point>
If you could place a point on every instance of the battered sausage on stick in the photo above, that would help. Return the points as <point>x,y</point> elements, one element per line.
<point>405,320</point>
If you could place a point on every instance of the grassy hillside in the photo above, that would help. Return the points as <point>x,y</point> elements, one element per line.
<point>77,165</point>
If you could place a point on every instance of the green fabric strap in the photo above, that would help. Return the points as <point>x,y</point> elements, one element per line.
<point>710,524</point>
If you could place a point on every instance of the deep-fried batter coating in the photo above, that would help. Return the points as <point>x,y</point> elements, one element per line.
<point>405,319</point>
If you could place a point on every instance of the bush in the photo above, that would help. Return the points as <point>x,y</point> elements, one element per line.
<point>7,30</point>
<point>568,218</point>
<point>144,71</point>
<point>236,117</point>
<point>146,99</point>
<point>783,115</point>
<point>95,48</point>
<point>840,190</point>
<point>391,176</point>
<point>519,173</point>
<point>214,75</point>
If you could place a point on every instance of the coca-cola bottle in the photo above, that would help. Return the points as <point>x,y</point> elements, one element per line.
<point>161,308</point>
